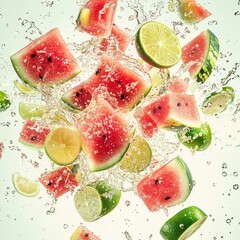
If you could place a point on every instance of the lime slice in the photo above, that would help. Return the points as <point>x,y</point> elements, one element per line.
<point>198,139</point>
<point>25,186</point>
<point>217,102</point>
<point>158,45</point>
<point>137,157</point>
<point>88,203</point>
<point>62,145</point>
<point>83,17</point>
<point>24,89</point>
<point>4,101</point>
<point>183,224</point>
<point>29,110</point>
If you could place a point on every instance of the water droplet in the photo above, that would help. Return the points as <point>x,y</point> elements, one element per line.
<point>228,221</point>
<point>224,174</point>
<point>235,174</point>
<point>235,186</point>
<point>224,165</point>
<point>65,226</point>
<point>181,225</point>
<point>127,203</point>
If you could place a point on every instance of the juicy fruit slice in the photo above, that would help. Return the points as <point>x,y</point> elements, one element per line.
<point>201,55</point>
<point>123,85</point>
<point>198,139</point>
<point>32,134</point>
<point>110,196</point>
<point>45,61</point>
<point>137,157</point>
<point>178,86</point>
<point>59,181</point>
<point>158,45</point>
<point>183,224</point>
<point>63,145</point>
<point>82,233</point>
<point>217,102</point>
<point>105,135</point>
<point>25,186</point>
<point>4,101</point>
<point>88,203</point>
<point>31,110</point>
<point>192,12</point>
<point>96,17</point>
<point>24,89</point>
<point>167,186</point>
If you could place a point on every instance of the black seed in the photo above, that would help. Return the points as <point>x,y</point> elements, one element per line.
<point>156,181</point>
<point>159,107</point>
<point>49,183</point>
<point>77,94</point>
<point>40,76</point>
<point>154,110</point>
<point>49,59</point>
<point>98,71</point>
<point>34,55</point>
<point>86,235</point>
<point>178,104</point>
<point>104,136</point>
<point>33,138</point>
<point>167,197</point>
<point>122,96</point>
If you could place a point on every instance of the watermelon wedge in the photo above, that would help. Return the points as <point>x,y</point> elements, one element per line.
<point>45,61</point>
<point>201,55</point>
<point>96,17</point>
<point>167,186</point>
<point>82,233</point>
<point>105,135</point>
<point>123,85</point>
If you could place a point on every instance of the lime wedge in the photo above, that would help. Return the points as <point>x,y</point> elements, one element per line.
<point>4,101</point>
<point>24,89</point>
<point>63,145</point>
<point>183,224</point>
<point>25,186</point>
<point>83,17</point>
<point>217,102</point>
<point>29,110</point>
<point>137,157</point>
<point>88,203</point>
<point>158,45</point>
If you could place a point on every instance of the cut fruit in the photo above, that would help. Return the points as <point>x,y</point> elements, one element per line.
<point>137,157</point>
<point>25,186</point>
<point>183,224</point>
<point>82,233</point>
<point>167,186</point>
<point>88,203</point>
<point>29,110</point>
<point>63,145</point>
<point>197,139</point>
<point>158,45</point>
<point>4,101</point>
<point>24,89</point>
<point>192,12</point>
<point>200,55</point>
<point>217,102</point>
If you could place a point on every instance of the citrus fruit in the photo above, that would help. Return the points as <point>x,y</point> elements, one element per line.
<point>25,186</point>
<point>217,102</point>
<point>198,139</point>
<point>4,101</point>
<point>24,89</point>
<point>158,45</point>
<point>88,203</point>
<point>62,145</point>
<point>183,224</point>
<point>29,110</point>
<point>137,157</point>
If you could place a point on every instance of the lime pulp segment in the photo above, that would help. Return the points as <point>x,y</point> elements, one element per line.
<point>29,110</point>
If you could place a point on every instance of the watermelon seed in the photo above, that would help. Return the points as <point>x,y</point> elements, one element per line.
<point>98,71</point>
<point>178,104</point>
<point>49,59</point>
<point>34,55</point>
<point>33,138</point>
<point>154,110</point>
<point>157,181</point>
<point>104,136</point>
<point>167,197</point>
<point>86,235</point>
<point>40,76</point>
<point>122,96</point>
<point>159,107</point>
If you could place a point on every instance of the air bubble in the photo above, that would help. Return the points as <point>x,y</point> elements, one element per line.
<point>224,165</point>
<point>235,186</point>
<point>224,174</point>
<point>235,174</point>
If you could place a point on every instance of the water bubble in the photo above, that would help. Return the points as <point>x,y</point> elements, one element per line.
<point>65,226</point>
<point>235,186</point>
<point>228,221</point>
<point>224,174</point>
<point>127,203</point>
<point>181,225</point>
<point>235,174</point>
<point>224,165</point>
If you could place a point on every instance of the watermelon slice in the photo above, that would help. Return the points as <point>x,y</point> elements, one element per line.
<point>96,17</point>
<point>201,55</point>
<point>167,186</point>
<point>32,135</point>
<point>45,61</point>
<point>59,181</point>
<point>82,233</point>
<point>105,135</point>
<point>178,86</point>
<point>192,12</point>
<point>122,84</point>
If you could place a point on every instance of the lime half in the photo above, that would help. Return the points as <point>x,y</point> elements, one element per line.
<point>29,110</point>
<point>158,45</point>
<point>183,224</point>
<point>88,203</point>
<point>217,102</point>
<point>63,145</point>
<point>25,186</point>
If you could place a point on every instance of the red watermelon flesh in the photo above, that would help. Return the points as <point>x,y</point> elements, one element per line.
<point>101,17</point>
<point>32,134</point>
<point>82,233</point>
<point>167,186</point>
<point>59,181</point>
<point>178,85</point>
<point>117,42</point>
<point>105,135</point>
<point>45,61</point>
<point>192,12</point>
<point>123,85</point>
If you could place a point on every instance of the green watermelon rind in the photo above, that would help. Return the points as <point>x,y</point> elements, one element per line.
<point>19,68</point>
<point>210,59</point>
<point>36,146</point>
